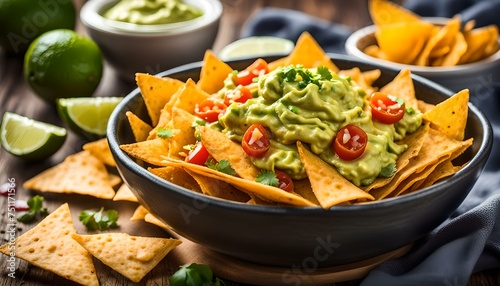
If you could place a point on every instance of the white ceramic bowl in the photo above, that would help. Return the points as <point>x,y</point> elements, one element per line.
<point>479,77</point>
<point>131,48</point>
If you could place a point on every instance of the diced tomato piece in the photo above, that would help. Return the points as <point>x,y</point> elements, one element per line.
<point>240,94</point>
<point>246,76</point>
<point>256,141</point>
<point>199,155</point>
<point>284,181</point>
<point>209,109</point>
<point>350,142</point>
<point>387,109</point>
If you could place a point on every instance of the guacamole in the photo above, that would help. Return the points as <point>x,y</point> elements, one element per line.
<point>148,12</point>
<point>311,105</point>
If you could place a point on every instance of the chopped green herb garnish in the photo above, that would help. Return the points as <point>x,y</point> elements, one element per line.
<point>222,166</point>
<point>164,133</point>
<point>267,178</point>
<point>410,110</point>
<point>324,73</point>
<point>35,205</point>
<point>304,76</point>
<point>388,171</point>
<point>99,220</point>
<point>193,275</point>
<point>198,122</point>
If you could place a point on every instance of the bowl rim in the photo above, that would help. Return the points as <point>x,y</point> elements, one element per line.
<point>352,49</point>
<point>481,156</point>
<point>90,15</point>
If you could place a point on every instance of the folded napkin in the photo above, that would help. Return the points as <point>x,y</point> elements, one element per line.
<point>469,240</point>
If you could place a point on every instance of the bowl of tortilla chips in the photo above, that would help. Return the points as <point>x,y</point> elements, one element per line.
<point>325,220</point>
<point>447,51</point>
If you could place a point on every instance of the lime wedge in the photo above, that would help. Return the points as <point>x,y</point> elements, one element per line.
<point>87,116</point>
<point>255,47</point>
<point>28,138</point>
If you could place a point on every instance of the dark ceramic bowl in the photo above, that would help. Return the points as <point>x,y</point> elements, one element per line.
<point>307,236</point>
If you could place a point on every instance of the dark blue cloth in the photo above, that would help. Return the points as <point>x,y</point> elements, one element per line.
<point>469,240</point>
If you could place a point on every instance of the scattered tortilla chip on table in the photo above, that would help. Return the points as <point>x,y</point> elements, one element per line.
<point>125,194</point>
<point>100,149</point>
<point>49,245</point>
<point>131,256</point>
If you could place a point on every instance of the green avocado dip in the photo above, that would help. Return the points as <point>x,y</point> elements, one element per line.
<point>311,105</point>
<point>149,12</point>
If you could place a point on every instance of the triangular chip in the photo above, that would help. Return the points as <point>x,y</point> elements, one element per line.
<point>177,176</point>
<point>49,246</point>
<point>384,12</point>
<point>125,194</point>
<point>131,256</point>
<point>156,92</point>
<point>114,180</point>
<point>100,149</point>
<point>329,187</point>
<point>222,148</point>
<point>139,213</point>
<point>182,123</point>
<point>441,39</point>
<point>149,151</point>
<point>213,73</point>
<point>450,116</point>
<point>140,129</point>
<point>458,49</point>
<point>150,218</point>
<point>80,173</point>
<point>219,189</point>
<point>402,86</point>
<point>308,52</point>
<point>266,192</point>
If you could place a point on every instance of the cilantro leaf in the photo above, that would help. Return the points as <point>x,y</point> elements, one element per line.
<point>388,171</point>
<point>99,220</point>
<point>35,205</point>
<point>164,133</point>
<point>324,73</point>
<point>222,166</point>
<point>193,275</point>
<point>267,178</point>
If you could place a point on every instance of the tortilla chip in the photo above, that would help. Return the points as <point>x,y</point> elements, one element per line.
<point>439,41</point>
<point>477,42</point>
<point>251,187</point>
<point>304,189</point>
<point>156,92</point>
<point>100,149</point>
<point>281,62</point>
<point>125,194</point>
<point>182,123</point>
<point>446,169</point>
<point>80,173</point>
<point>458,48</point>
<point>385,12</point>
<point>450,116</point>
<point>402,87</point>
<point>219,189</point>
<point>213,73</point>
<point>329,187</point>
<point>177,176</point>
<point>308,52</point>
<point>221,147</point>
<point>140,129</point>
<point>139,213</point>
<point>131,256</point>
<point>49,246</point>
<point>114,180</point>
<point>149,151</point>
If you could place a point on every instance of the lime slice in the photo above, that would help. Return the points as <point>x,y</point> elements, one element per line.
<point>255,47</point>
<point>28,138</point>
<point>87,116</point>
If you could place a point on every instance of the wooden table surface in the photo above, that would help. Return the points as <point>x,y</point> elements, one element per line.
<point>16,96</point>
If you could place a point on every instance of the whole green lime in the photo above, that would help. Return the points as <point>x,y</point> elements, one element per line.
<point>61,64</point>
<point>22,21</point>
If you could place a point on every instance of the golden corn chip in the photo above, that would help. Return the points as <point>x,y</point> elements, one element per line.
<point>329,187</point>
<point>309,53</point>
<point>304,189</point>
<point>49,246</point>
<point>458,48</point>
<point>439,41</point>
<point>140,129</point>
<point>125,194</point>
<point>265,192</point>
<point>156,92</point>
<point>479,40</point>
<point>385,12</point>
<point>177,176</point>
<point>139,213</point>
<point>374,51</point>
<point>221,147</point>
<point>219,189</point>
<point>403,41</point>
<point>442,146</point>
<point>100,149</point>
<point>371,76</point>
<point>415,142</point>
<point>278,63</point>
<point>445,170</point>
<point>80,173</point>
<point>149,151</point>
<point>402,87</point>
<point>114,180</point>
<point>213,73</point>
<point>469,25</point>
<point>182,123</point>
<point>450,116</point>
<point>150,218</point>
<point>131,256</point>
